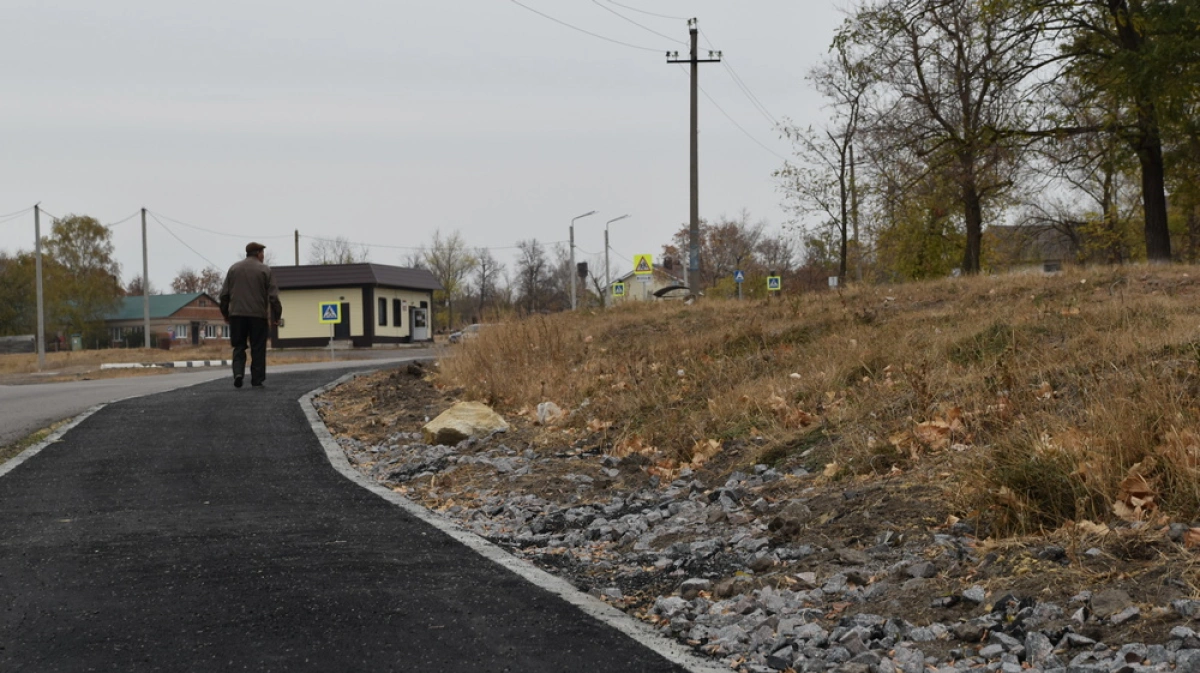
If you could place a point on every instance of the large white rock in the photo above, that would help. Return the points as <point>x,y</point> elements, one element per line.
<point>462,421</point>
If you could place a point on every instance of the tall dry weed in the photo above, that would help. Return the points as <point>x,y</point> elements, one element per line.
<point>1046,399</point>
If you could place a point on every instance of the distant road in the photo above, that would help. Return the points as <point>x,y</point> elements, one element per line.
<point>25,409</point>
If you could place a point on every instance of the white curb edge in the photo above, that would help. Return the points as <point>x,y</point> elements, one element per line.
<point>669,649</point>
<point>180,364</point>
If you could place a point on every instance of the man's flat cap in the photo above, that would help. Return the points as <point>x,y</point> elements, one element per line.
<point>252,248</point>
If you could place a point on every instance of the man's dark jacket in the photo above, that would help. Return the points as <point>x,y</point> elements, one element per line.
<point>249,288</point>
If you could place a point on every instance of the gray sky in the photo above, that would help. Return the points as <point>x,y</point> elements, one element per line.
<point>385,121</point>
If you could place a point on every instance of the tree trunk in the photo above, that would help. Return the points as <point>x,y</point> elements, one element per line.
<point>1154,195</point>
<point>973,219</point>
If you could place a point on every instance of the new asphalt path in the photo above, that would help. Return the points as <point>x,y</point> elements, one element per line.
<point>204,529</point>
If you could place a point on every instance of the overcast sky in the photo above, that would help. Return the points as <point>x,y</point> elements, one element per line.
<point>384,121</point>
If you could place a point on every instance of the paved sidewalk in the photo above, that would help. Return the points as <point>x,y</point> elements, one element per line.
<point>204,530</point>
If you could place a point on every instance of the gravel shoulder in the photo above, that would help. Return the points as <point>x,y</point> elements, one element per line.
<point>775,567</point>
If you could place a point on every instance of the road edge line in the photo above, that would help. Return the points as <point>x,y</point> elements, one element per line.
<point>667,648</point>
<point>12,463</point>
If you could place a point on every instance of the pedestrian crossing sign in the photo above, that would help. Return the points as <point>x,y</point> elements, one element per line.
<point>331,312</point>
<point>618,289</point>
<point>774,284</point>
<point>643,265</point>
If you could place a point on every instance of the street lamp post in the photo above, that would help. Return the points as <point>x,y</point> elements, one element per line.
<point>572,269</point>
<point>607,279</point>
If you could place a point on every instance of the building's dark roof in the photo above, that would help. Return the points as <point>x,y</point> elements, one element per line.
<point>161,306</point>
<point>341,275</point>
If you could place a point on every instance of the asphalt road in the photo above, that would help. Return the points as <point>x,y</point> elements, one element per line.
<point>203,529</point>
<point>25,409</point>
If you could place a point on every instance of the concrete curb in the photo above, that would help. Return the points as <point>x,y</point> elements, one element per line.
<point>180,364</point>
<point>644,634</point>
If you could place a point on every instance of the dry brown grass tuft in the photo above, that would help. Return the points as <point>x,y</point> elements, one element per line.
<point>1045,399</point>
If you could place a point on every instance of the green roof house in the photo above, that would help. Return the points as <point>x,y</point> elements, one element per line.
<point>183,318</point>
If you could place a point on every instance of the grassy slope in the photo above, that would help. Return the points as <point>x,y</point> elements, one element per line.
<point>1046,399</point>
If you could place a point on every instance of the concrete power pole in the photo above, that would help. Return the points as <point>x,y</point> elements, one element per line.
<point>145,284</point>
<point>41,302</point>
<point>694,227</point>
<point>297,247</point>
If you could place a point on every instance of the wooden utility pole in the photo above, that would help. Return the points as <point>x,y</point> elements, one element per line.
<point>41,301</point>
<point>694,227</point>
<point>145,286</point>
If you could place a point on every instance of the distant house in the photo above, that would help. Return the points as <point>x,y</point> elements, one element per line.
<point>1038,247</point>
<point>183,318</point>
<point>656,285</point>
<point>378,305</point>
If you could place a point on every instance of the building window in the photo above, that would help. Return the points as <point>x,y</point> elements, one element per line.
<point>203,302</point>
<point>382,312</point>
<point>216,331</point>
<point>396,313</point>
<point>181,331</point>
<point>117,333</point>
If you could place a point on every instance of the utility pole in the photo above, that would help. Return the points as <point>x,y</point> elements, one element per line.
<point>694,228</point>
<point>572,269</point>
<point>297,247</point>
<point>145,285</point>
<point>41,305</point>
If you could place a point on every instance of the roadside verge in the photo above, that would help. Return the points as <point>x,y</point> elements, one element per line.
<point>641,633</point>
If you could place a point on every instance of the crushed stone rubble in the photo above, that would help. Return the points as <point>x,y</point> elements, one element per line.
<point>706,564</point>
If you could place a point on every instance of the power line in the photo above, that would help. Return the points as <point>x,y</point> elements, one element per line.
<point>645,28</point>
<point>739,126</point>
<point>135,214</point>
<point>217,233</point>
<point>585,32</point>
<point>737,79</point>
<point>12,216</point>
<point>419,247</point>
<point>181,241</point>
<point>19,212</point>
<point>642,11</point>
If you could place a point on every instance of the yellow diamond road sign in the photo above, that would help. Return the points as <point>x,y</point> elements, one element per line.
<point>331,312</point>
<point>643,265</point>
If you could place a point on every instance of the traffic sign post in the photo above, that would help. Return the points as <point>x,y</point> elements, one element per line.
<point>330,313</point>
<point>739,277</point>
<point>774,284</point>
<point>618,289</point>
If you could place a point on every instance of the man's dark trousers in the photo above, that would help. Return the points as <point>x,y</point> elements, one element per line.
<point>241,329</point>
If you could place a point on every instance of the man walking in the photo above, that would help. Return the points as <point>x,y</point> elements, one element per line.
<point>250,304</point>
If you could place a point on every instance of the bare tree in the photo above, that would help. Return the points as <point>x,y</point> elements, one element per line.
<point>487,274</point>
<point>188,281</point>
<point>823,179</point>
<point>532,275</point>
<point>136,288</point>
<point>449,260</point>
<point>337,251</point>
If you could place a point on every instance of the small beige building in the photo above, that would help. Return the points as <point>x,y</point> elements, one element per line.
<point>379,305</point>
<point>655,285</point>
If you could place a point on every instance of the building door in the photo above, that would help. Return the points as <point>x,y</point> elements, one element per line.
<point>341,330</point>
<point>419,324</point>
<point>195,334</point>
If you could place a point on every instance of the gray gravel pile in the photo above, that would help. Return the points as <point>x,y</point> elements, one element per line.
<point>720,578</point>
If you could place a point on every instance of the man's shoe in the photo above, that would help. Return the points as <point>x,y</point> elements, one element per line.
<point>237,382</point>
<point>257,385</point>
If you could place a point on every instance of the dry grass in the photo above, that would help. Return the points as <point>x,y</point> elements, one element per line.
<point>1047,399</point>
<point>26,363</point>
